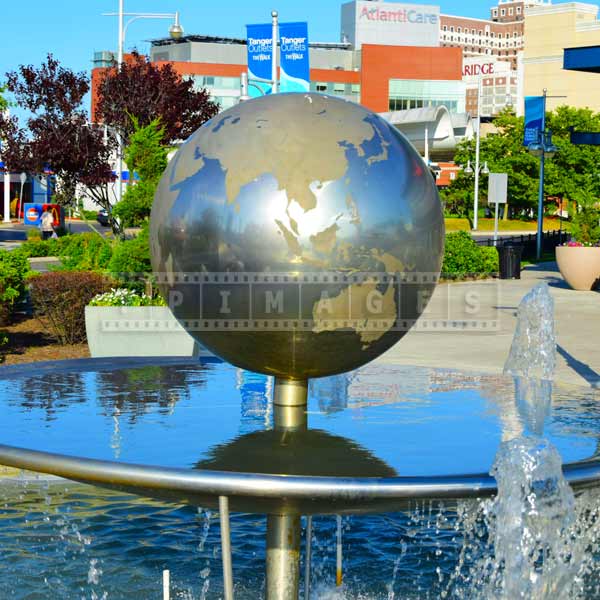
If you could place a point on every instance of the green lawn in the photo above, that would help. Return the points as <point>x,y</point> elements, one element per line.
<point>513,225</point>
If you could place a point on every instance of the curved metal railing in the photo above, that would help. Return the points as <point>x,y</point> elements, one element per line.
<point>260,493</point>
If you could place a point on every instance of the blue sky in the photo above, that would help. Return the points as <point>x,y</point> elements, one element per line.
<point>73,29</point>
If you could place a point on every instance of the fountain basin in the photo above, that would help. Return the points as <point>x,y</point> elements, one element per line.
<point>400,436</point>
<point>379,444</point>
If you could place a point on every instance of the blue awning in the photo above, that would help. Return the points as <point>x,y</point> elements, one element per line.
<point>585,58</point>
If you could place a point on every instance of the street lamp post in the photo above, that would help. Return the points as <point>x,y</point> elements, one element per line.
<point>542,147</point>
<point>275,22</point>
<point>484,170</point>
<point>477,145</point>
<point>175,31</point>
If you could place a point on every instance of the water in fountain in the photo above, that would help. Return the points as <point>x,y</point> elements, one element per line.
<point>533,515</point>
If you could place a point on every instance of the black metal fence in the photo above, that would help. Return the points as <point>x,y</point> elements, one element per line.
<point>550,240</point>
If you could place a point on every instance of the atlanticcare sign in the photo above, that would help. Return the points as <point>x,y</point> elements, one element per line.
<point>390,23</point>
<point>400,15</point>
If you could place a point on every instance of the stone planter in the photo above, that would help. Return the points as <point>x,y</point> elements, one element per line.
<point>579,266</point>
<point>137,331</point>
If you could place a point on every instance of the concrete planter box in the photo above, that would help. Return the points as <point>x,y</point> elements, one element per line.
<point>579,266</point>
<point>137,331</point>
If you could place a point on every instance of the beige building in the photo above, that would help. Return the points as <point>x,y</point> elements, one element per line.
<point>549,29</point>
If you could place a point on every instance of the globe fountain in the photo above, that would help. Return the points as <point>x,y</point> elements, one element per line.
<point>297,236</point>
<point>279,235</point>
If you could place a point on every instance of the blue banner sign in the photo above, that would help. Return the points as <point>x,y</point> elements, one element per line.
<point>32,214</point>
<point>260,56</point>
<point>295,68</point>
<point>534,119</point>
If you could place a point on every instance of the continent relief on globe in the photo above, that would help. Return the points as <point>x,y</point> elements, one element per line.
<point>248,145</point>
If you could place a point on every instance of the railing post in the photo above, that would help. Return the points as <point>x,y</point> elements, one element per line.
<point>226,547</point>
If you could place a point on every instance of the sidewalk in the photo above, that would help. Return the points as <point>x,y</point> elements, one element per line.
<point>493,305</point>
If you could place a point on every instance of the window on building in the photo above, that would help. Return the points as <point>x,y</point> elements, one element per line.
<point>321,87</point>
<point>502,12</point>
<point>445,27</point>
<point>452,175</point>
<point>510,12</point>
<point>480,32</point>
<point>458,30</point>
<point>408,94</point>
<point>452,28</point>
<point>518,10</point>
<point>495,12</point>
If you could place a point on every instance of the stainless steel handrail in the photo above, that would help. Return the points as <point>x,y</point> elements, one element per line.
<point>354,493</point>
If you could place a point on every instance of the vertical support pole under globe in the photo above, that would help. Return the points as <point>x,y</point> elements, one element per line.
<point>338,555</point>
<point>226,547</point>
<point>307,557</point>
<point>283,530</point>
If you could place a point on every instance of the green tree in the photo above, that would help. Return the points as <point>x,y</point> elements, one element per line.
<point>504,152</point>
<point>573,168</point>
<point>586,217</point>
<point>147,156</point>
<point>3,100</point>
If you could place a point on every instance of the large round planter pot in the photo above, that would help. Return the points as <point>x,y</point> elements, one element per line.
<point>579,266</point>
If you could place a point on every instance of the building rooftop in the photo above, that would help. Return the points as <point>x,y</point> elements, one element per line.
<point>210,39</point>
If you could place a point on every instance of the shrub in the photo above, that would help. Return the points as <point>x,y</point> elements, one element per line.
<point>62,296</point>
<point>463,257</point>
<point>34,248</point>
<point>89,215</point>
<point>585,222</point>
<point>14,269</point>
<point>134,209</point>
<point>491,259</point>
<point>3,342</point>
<point>125,297</point>
<point>84,252</point>
<point>147,156</point>
<point>130,262</point>
<point>33,233</point>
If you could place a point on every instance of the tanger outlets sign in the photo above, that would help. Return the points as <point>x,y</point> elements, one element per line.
<point>294,57</point>
<point>391,24</point>
<point>260,56</point>
<point>295,68</point>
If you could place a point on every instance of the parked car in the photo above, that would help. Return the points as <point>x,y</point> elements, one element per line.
<point>102,217</point>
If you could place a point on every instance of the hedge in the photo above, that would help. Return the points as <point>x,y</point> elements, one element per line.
<point>464,258</point>
<point>61,297</point>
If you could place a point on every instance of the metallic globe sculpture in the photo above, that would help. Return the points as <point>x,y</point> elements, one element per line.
<point>297,235</point>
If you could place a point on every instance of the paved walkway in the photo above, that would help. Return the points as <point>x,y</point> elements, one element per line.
<point>489,308</point>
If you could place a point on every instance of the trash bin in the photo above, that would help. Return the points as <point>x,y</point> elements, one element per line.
<point>510,260</point>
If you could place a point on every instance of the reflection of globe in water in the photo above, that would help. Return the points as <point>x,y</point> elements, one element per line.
<point>281,226</point>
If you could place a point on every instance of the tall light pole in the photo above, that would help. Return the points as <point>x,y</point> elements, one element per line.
<point>542,147</point>
<point>477,145</point>
<point>275,18</point>
<point>175,31</point>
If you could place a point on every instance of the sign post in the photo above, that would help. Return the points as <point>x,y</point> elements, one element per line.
<point>22,179</point>
<point>497,194</point>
